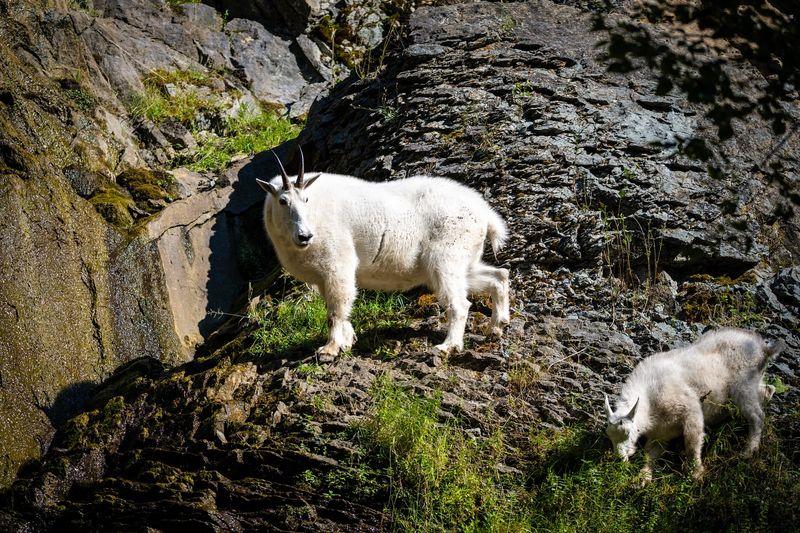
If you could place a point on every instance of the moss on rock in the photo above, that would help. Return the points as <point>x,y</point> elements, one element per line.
<point>151,189</point>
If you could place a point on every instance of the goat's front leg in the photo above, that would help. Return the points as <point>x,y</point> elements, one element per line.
<point>652,451</point>
<point>339,295</point>
<point>693,440</point>
<point>453,297</point>
<point>750,405</point>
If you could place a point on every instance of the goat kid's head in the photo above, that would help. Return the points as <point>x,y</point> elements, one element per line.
<point>622,430</point>
<point>289,210</point>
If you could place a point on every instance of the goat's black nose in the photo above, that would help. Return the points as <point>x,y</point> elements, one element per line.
<point>304,237</point>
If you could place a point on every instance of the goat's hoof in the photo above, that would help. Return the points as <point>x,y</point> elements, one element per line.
<point>698,472</point>
<point>645,478</point>
<point>493,329</point>
<point>769,392</point>
<point>749,452</point>
<point>327,353</point>
<point>446,348</point>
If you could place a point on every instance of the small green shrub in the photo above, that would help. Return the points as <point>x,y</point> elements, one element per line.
<point>296,321</point>
<point>157,106</point>
<point>721,301</point>
<point>177,3</point>
<point>83,99</point>
<point>159,78</point>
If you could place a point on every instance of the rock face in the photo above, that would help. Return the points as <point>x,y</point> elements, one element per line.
<point>87,228</point>
<point>74,305</point>
<point>619,248</point>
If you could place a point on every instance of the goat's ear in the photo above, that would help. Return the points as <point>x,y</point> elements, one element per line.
<point>630,415</point>
<point>267,186</point>
<point>609,412</point>
<point>311,180</point>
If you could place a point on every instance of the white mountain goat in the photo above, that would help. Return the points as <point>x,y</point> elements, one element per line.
<point>678,392</point>
<point>346,233</point>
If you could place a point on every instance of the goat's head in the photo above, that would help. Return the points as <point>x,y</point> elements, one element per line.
<point>622,430</point>
<point>289,210</point>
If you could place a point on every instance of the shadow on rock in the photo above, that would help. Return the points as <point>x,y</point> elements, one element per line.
<point>69,402</point>
<point>242,261</point>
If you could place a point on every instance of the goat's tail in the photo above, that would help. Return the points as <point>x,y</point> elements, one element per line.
<point>497,231</point>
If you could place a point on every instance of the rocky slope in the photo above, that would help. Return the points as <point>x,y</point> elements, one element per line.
<point>619,247</point>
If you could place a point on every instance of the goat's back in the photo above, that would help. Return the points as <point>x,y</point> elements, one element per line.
<point>711,365</point>
<point>420,207</point>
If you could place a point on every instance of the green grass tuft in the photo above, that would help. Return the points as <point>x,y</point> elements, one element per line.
<point>441,479</point>
<point>184,107</point>
<point>249,132</point>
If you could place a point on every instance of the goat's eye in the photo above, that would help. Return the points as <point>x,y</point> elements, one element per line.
<point>282,201</point>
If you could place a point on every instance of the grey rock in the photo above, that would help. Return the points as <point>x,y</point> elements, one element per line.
<point>177,135</point>
<point>786,286</point>
<point>189,182</point>
<point>84,181</point>
<point>265,62</point>
<point>201,16</point>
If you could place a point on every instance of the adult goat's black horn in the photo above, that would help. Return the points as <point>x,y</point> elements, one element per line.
<point>286,183</point>
<point>301,175</point>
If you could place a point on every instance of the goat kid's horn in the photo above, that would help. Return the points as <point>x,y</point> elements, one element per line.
<point>300,183</point>
<point>286,183</point>
<point>609,412</point>
<point>633,410</point>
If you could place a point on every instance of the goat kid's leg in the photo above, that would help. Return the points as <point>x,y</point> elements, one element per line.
<point>652,451</point>
<point>494,281</point>
<point>339,297</point>
<point>452,295</point>
<point>750,405</point>
<point>693,440</point>
<point>767,391</point>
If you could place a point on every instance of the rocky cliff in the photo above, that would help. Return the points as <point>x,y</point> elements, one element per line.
<point>620,247</point>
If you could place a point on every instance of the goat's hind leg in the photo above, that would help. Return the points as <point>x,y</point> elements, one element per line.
<point>494,281</point>
<point>750,404</point>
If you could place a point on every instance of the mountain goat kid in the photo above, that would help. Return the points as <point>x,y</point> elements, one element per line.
<point>346,233</point>
<point>678,392</point>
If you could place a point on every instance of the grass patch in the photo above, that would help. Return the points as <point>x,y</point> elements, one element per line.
<point>299,321</point>
<point>177,3</point>
<point>721,301</point>
<point>184,107</point>
<point>160,78</point>
<point>584,489</point>
<point>441,480</point>
<point>445,480</point>
<point>249,132</point>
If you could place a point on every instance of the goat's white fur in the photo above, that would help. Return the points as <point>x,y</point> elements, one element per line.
<point>345,233</point>
<point>679,392</point>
